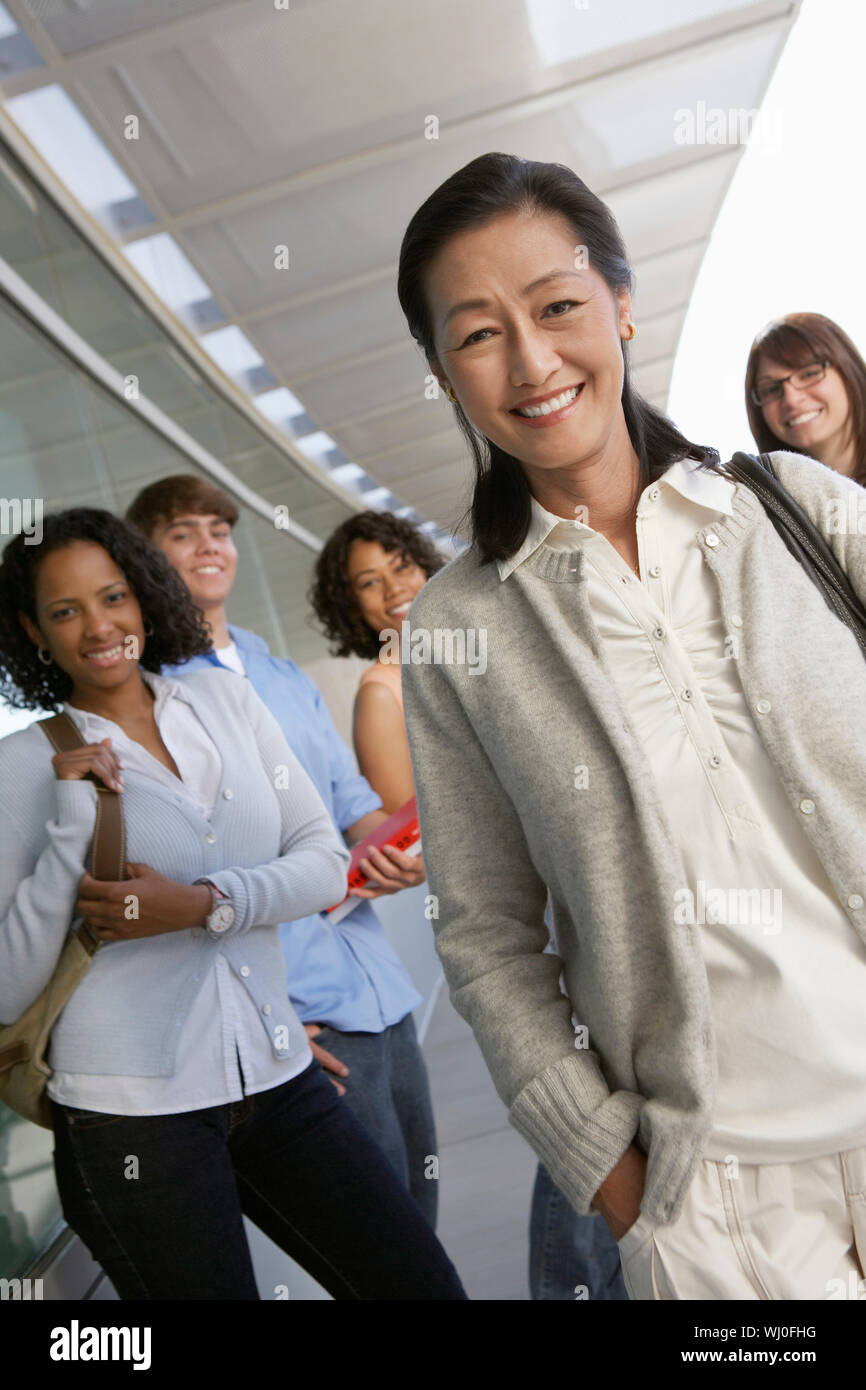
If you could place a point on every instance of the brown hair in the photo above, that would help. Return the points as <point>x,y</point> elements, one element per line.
<point>171,497</point>
<point>795,340</point>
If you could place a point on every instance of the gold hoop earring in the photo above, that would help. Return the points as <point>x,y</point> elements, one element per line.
<point>47,660</point>
<point>632,333</point>
<point>450,394</point>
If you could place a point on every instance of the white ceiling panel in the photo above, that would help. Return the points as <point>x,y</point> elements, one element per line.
<point>394,428</point>
<point>619,135</point>
<point>679,206</point>
<point>346,226</point>
<point>424,455</point>
<point>302,341</point>
<point>74,25</point>
<point>391,377</point>
<point>667,278</point>
<point>652,378</point>
<point>656,337</point>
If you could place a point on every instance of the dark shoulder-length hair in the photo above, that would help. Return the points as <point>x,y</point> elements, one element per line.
<point>331,595</point>
<point>794,341</point>
<point>487,187</point>
<point>178,627</point>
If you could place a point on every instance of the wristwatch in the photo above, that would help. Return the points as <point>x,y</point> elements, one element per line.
<point>222,915</point>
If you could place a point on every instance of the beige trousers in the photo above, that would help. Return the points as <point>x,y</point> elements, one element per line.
<point>758,1231</point>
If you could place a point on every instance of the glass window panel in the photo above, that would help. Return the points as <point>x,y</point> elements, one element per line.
<point>48,252</point>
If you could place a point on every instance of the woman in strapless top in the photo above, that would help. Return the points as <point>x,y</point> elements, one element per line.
<point>366,577</point>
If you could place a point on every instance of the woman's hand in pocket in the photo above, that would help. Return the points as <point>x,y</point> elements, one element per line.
<point>619,1197</point>
<point>145,904</point>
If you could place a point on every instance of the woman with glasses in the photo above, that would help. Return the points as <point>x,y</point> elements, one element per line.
<point>178,1061</point>
<point>668,739</point>
<point>806,391</point>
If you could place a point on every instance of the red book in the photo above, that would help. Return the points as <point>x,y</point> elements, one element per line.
<point>401,830</point>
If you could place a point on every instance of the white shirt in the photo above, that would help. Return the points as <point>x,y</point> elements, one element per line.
<point>231,657</point>
<point>786,971</point>
<point>223,1023</point>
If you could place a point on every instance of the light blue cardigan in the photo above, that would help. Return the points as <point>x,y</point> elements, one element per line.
<point>269,845</point>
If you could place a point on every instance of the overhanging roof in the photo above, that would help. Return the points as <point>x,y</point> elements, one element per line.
<point>306,126</point>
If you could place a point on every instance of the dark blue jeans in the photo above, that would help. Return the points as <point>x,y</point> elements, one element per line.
<point>159,1199</point>
<point>568,1252</point>
<point>388,1091</point>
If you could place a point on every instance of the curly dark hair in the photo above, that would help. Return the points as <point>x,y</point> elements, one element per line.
<point>330,594</point>
<point>179,628</point>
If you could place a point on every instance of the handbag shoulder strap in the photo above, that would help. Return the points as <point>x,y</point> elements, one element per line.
<point>109,835</point>
<point>803,539</point>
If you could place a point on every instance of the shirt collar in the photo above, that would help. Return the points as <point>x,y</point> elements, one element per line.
<point>541,524</point>
<point>163,687</point>
<point>699,485</point>
<point>686,477</point>
<point>246,641</point>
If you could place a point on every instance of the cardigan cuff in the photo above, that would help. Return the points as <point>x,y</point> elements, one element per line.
<point>578,1128</point>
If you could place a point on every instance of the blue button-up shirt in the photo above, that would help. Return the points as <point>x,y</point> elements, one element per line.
<point>346,975</point>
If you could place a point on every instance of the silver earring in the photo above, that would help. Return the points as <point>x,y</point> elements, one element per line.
<point>48,659</point>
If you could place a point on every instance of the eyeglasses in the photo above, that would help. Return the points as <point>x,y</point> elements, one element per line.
<point>805,377</point>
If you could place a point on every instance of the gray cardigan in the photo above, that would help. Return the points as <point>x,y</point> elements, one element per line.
<point>269,845</point>
<point>494,757</point>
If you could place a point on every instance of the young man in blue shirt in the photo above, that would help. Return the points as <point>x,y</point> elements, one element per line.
<point>346,982</point>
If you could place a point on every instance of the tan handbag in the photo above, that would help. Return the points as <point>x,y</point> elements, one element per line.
<point>23,1045</point>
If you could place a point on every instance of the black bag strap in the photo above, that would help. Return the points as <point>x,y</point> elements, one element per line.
<point>803,539</point>
<point>108,857</point>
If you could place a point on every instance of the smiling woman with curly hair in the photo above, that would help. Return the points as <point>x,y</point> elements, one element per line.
<point>180,1045</point>
<point>177,627</point>
<point>334,595</point>
<point>366,577</point>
